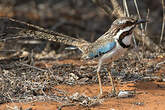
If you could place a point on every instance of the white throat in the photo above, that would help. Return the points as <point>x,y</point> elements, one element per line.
<point>127,39</point>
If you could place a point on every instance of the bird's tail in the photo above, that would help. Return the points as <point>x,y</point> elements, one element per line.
<point>42,33</point>
<point>56,37</point>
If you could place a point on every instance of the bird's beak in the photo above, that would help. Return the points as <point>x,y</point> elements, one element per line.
<point>141,21</point>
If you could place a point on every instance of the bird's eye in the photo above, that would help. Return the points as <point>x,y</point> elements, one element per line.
<point>129,23</point>
<point>135,21</point>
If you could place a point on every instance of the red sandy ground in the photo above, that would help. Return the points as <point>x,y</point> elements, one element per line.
<point>151,94</point>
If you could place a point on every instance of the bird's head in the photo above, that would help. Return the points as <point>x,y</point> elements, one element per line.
<point>123,27</point>
<point>128,21</point>
<point>126,24</point>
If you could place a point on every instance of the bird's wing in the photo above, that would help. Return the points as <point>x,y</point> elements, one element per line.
<point>101,49</point>
<point>108,35</point>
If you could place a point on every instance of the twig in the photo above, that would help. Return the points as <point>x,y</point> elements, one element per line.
<point>160,63</point>
<point>142,29</point>
<point>12,108</point>
<point>146,40</point>
<point>105,7</point>
<point>8,51</point>
<point>117,9</point>
<point>146,24</point>
<point>60,91</point>
<point>28,24</point>
<point>138,13</point>
<point>4,40</point>
<point>33,67</point>
<point>65,105</point>
<point>126,7</point>
<point>17,37</point>
<point>161,36</point>
<point>2,34</point>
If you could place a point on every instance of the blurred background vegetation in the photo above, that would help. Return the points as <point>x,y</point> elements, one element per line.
<point>80,18</point>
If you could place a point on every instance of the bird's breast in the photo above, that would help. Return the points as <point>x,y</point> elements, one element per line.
<point>116,53</point>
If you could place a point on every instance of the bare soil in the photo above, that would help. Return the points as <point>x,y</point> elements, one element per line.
<point>149,96</point>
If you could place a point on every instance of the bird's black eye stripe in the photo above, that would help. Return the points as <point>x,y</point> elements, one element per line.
<point>126,24</point>
<point>126,33</point>
<point>129,23</point>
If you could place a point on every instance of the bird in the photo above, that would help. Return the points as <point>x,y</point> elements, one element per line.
<point>106,49</point>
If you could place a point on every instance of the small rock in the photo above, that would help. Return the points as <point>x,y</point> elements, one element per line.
<point>163,80</point>
<point>84,102</point>
<point>75,96</point>
<point>138,103</point>
<point>73,76</point>
<point>29,108</point>
<point>125,94</point>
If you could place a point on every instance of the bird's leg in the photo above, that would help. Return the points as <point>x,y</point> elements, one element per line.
<point>113,87</point>
<point>99,79</point>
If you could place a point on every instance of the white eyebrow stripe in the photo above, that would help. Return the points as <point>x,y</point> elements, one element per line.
<point>123,30</point>
<point>123,21</point>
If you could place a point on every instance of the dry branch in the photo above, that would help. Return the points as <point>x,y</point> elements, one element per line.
<point>161,36</point>
<point>118,12</point>
<point>105,7</point>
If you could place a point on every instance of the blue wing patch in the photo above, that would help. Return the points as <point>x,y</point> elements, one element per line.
<point>102,50</point>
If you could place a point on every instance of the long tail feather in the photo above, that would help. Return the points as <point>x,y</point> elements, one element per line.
<point>43,33</point>
<point>56,37</point>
